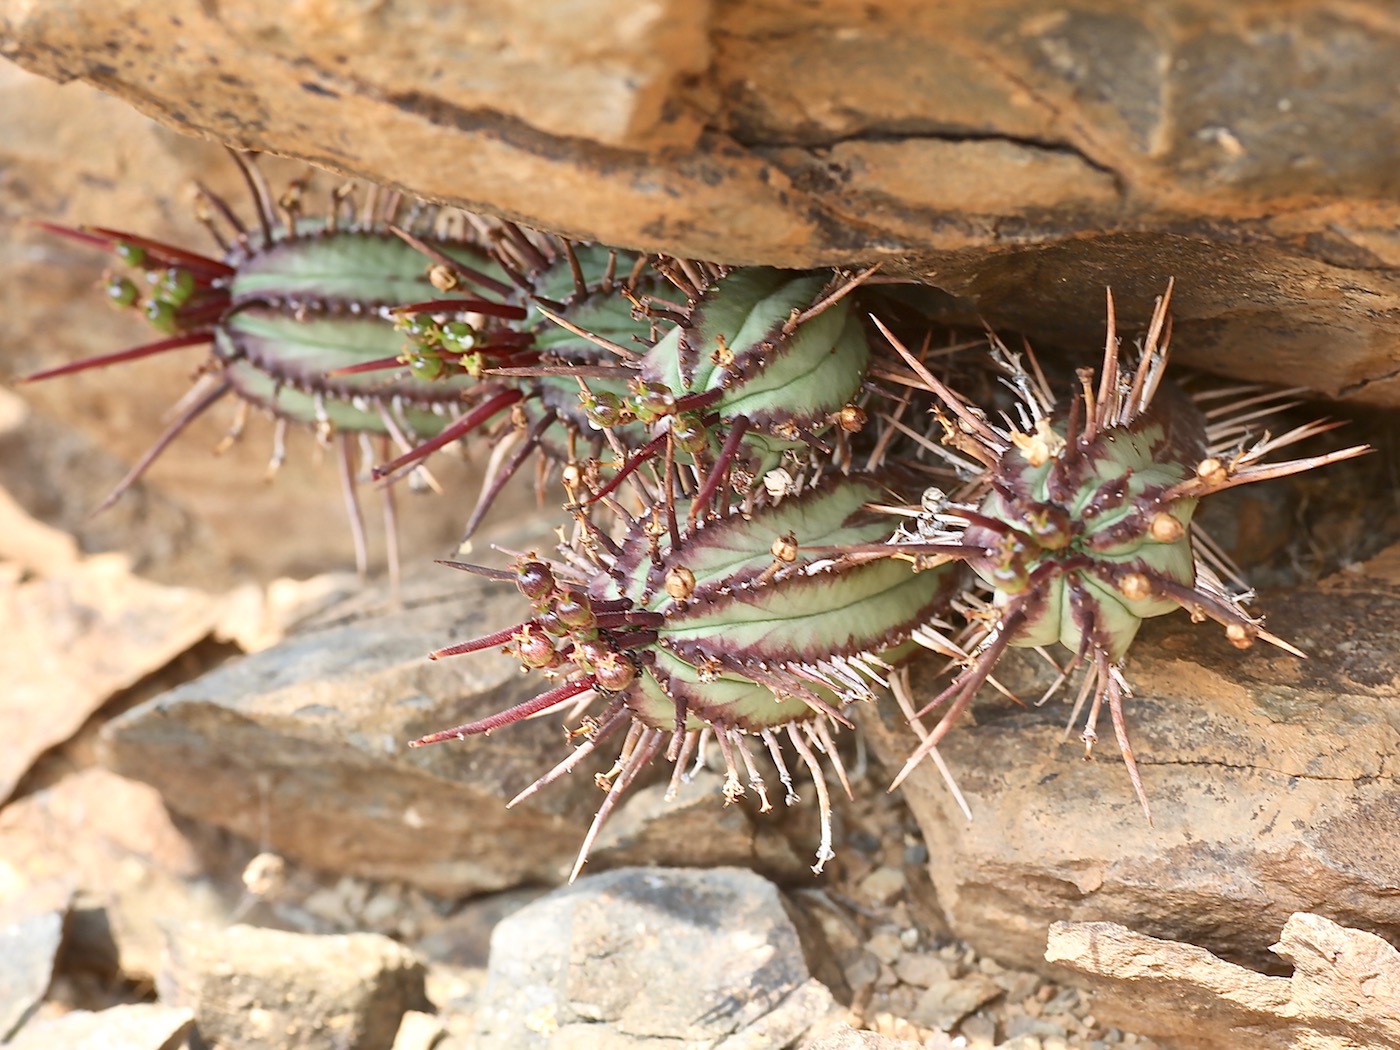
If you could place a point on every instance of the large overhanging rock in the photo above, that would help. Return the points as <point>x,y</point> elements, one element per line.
<point>1020,155</point>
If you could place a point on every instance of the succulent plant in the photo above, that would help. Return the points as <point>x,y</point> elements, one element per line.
<point>747,586</point>
<point>1079,521</point>
<point>722,630</point>
<point>298,313</point>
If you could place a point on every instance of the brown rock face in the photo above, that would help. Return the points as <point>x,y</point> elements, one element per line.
<point>1342,992</point>
<point>1268,775</point>
<point>1019,155</point>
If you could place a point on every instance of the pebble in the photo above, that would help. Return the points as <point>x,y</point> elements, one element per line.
<point>253,987</point>
<point>921,969</point>
<point>979,1031</point>
<point>945,1003</point>
<point>885,946</point>
<point>883,886</point>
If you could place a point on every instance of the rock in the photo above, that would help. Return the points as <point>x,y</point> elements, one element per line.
<point>697,829</point>
<point>136,1026</point>
<point>418,1031</point>
<point>1342,993</point>
<point>946,1002</point>
<point>464,938</point>
<point>112,842</point>
<point>1267,777</point>
<point>76,638</point>
<point>851,1039</point>
<point>32,545</point>
<point>303,748</point>
<point>28,949</point>
<point>650,957</point>
<point>1022,156</point>
<point>251,987</point>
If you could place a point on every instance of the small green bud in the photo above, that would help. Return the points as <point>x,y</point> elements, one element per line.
<point>121,291</point>
<point>175,286</point>
<point>161,314</point>
<point>458,337</point>
<point>425,366</point>
<point>130,254</point>
<point>604,410</point>
<point>689,434</point>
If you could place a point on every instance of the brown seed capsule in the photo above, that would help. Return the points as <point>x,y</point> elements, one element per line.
<point>575,610</point>
<point>1135,586</point>
<point>442,278</point>
<point>533,647</point>
<point>1241,637</point>
<point>680,582</point>
<point>614,672</point>
<point>535,580</point>
<point>785,548</point>
<point>588,654</point>
<point>851,418</point>
<point>1212,471</point>
<point>571,476</point>
<point>1166,528</point>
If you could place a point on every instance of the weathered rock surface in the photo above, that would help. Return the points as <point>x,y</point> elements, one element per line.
<point>76,638</point>
<point>850,1039</point>
<point>1019,154</point>
<point>28,948</point>
<point>137,1026</point>
<point>650,957</point>
<point>1270,781</point>
<point>1343,992</point>
<point>302,748</point>
<point>253,988</point>
<point>112,842</point>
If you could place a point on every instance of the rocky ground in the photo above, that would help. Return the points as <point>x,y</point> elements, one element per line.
<point>213,835</point>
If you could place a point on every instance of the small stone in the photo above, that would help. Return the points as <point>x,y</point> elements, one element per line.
<point>883,885</point>
<point>418,1031</point>
<point>1020,985</point>
<point>673,954</point>
<point>1062,1001</point>
<point>979,1031</point>
<point>863,971</point>
<point>945,1003</point>
<point>1041,1029</point>
<point>28,949</point>
<point>137,1026</point>
<point>249,987</point>
<point>921,969</point>
<point>885,946</point>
